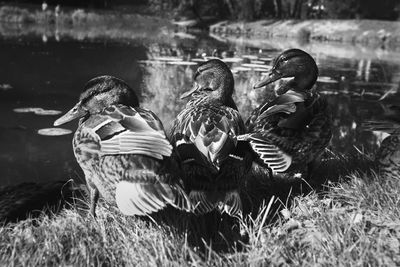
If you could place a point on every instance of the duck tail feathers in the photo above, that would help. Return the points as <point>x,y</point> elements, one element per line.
<point>232,204</point>
<point>134,198</point>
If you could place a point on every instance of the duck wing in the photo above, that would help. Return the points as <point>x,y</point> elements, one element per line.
<point>286,136</point>
<point>205,137</point>
<point>125,135</point>
<point>126,130</point>
<point>280,107</point>
<point>143,192</point>
<point>209,130</point>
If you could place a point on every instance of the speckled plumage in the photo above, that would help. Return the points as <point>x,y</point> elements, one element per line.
<point>388,156</point>
<point>205,135</point>
<point>291,130</point>
<point>124,152</point>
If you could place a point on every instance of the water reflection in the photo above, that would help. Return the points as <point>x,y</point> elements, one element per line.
<point>50,75</point>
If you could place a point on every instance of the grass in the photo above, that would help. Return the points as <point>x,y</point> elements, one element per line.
<point>353,221</point>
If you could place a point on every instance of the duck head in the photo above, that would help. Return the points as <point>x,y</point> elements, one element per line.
<point>292,63</point>
<point>99,93</point>
<point>213,78</point>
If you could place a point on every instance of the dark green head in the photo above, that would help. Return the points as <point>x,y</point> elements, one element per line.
<point>292,63</point>
<point>99,93</point>
<point>214,79</point>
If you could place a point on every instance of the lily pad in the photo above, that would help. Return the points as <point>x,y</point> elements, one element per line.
<point>167,59</point>
<point>38,111</point>
<point>266,58</point>
<point>257,62</point>
<point>184,63</point>
<point>325,79</point>
<point>232,59</point>
<point>45,112</point>
<point>198,59</point>
<point>26,110</point>
<point>5,87</point>
<point>54,131</point>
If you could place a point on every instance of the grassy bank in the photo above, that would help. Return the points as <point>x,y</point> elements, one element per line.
<point>369,32</point>
<point>355,222</point>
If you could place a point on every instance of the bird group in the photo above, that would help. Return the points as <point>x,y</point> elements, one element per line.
<point>201,165</point>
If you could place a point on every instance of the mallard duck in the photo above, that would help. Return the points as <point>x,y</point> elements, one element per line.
<point>293,129</point>
<point>123,150</point>
<point>204,134</point>
<point>388,156</point>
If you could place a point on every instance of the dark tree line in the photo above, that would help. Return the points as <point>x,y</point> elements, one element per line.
<point>283,9</point>
<point>252,9</point>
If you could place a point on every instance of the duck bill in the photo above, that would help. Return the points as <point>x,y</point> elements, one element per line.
<point>271,77</point>
<point>194,89</point>
<point>74,113</point>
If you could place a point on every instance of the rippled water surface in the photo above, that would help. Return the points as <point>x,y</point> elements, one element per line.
<point>48,75</point>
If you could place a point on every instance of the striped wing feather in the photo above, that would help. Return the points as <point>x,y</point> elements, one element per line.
<point>125,131</point>
<point>212,130</point>
<point>138,198</point>
<point>289,131</point>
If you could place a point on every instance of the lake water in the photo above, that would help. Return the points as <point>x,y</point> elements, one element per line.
<point>49,73</point>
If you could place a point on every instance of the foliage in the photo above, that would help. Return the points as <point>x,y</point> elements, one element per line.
<point>258,9</point>
<point>364,9</point>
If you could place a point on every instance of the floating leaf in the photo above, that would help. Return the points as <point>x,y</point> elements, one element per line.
<point>184,63</point>
<point>148,62</point>
<point>5,87</point>
<point>26,110</point>
<point>54,131</point>
<point>167,59</point>
<point>327,92</point>
<point>47,112</point>
<point>37,111</point>
<point>232,59</point>
<point>198,59</point>
<point>265,58</point>
<point>325,79</point>
<point>257,62</point>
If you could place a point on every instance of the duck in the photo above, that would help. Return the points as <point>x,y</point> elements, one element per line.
<point>387,158</point>
<point>291,130</point>
<point>205,136</point>
<point>123,150</point>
